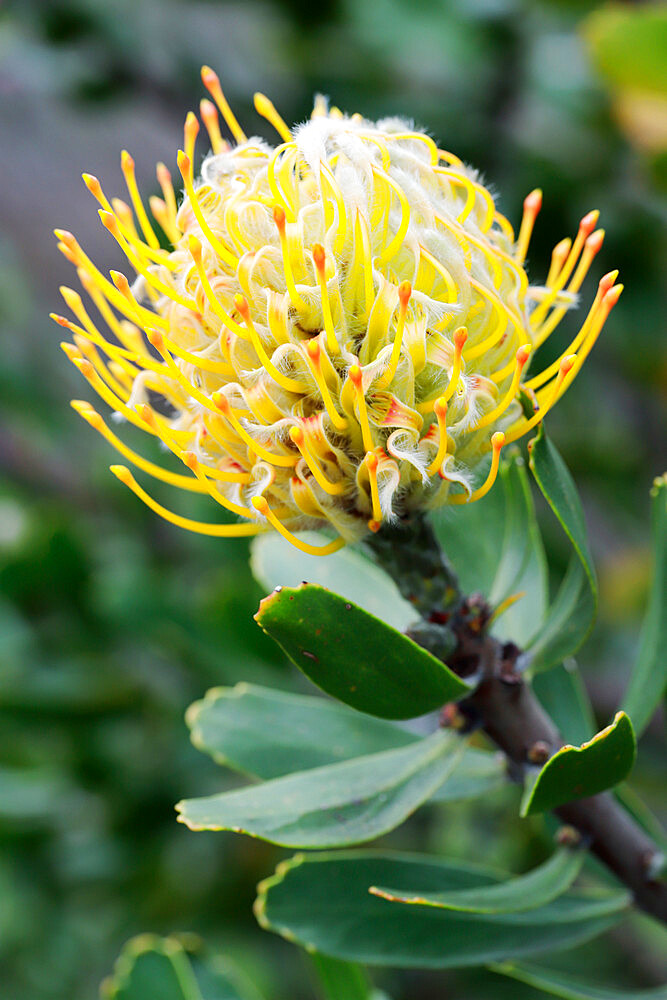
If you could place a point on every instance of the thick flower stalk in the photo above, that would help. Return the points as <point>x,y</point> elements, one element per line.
<point>340,333</point>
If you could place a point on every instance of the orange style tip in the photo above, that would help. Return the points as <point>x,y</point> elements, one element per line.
<point>126,161</point>
<point>71,297</point>
<point>260,505</point>
<point>242,306</point>
<point>404,293</point>
<point>194,246</point>
<point>209,77</point>
<point>296,434</point>
<point>279,217</point>
<point>355,374</point>
<point>533,202</point>
<point>562,249</point>
<point>79,405</point>
<point>589,221</point>
<point>319,257</point>
<point>84,366</point>
<point>374,526</point>
<point>371,460</point>
<point>497,440</point>
<point>612,296</point>
<point>146,414</point>
<point>221,402</point>
<point>190,459</point>
<point>440,407</point>
<point>119,279</point>
<point>595,240</point>
<point>261,102</point>
<point>123,473</point>
<point>183,161</point>
<point>192,122</point>
<point>566,364</point>
<point>163,172</point>
<point>523,354</point>
<point>607,280</point>
<point>460,337</point>
<point>313,349</point>
<point>207,109</point>
<point>60,320</point>
<point>71,351</point>
<point>92,183</point>
<point>108,220</point>
<point>155,337</point>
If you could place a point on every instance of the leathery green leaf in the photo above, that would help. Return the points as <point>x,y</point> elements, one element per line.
<point>570,618</point>
<point>321,901</point>
<point>579,772</point>
<point>264,734</point>
<point>521,567</point>
<point>524,892</point>
<point>276,562</point>
<point>346,803</point>
<point>562,692</point>
<point>174,968</point>
<point>560,984</point>
<point>649,677</point>
<point>355,657</point>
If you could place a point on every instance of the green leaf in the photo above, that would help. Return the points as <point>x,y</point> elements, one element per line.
<point>342,980</point>
<point>524,892</point>
<point>265,734</point>
<point>321,901</point>
<point>275,562</point>
<point>521,566</point>
<point>579,772</point>
<point>495,547</point>
<point>171,969</point>
<point>562,692</point>
<point>560,984</point>
<point>649,677</point>
<point>571,616</point>
<point>470,536</point>
<point>477,773</point>
<point>346,803</point>
<point>354,656</point>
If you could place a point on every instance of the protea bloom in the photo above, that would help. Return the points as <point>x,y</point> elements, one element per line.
<point>341,331</point>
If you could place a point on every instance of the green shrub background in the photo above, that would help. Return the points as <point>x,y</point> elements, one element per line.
<point>112,622</point>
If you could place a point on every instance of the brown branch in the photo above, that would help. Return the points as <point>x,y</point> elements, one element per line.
<point>511,715</point>
<point>503,703</point>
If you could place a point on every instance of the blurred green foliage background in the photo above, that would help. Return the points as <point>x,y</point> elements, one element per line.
<point>112,622</point>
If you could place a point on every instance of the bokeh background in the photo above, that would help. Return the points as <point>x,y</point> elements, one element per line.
<point>112,622</point>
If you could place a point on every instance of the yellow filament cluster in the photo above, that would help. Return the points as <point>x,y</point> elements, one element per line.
<point>333,332</point>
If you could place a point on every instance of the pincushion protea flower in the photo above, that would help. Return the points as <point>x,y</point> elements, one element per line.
<point>340,332</point>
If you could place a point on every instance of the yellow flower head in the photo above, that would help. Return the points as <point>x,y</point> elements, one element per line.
<point>340,332</point>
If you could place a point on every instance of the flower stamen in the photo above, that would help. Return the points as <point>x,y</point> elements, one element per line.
<point>440,408</point>
<point>211,81</point>
<point>261,505</point>
<point>497,442</point>
<point>520,363</point>
<point>531,207</point>
<point>199,527</point>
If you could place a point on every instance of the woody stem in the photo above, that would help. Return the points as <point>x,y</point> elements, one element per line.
<point>502,703</point>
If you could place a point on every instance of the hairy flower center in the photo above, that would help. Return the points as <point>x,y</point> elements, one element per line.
<point>340,331</point>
